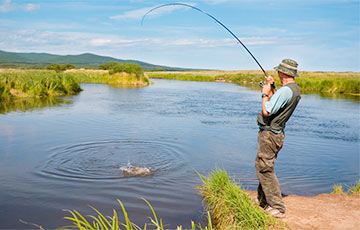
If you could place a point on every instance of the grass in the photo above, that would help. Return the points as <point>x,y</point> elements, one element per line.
<point>104,77</point>
<point>36,84</point>
<point>351,190</point>
<point>231,207</point>
<point>99,221</point>
<point>15,84</point>
<point>309,82</point>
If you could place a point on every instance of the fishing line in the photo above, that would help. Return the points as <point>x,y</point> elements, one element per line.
<point>215,19</point>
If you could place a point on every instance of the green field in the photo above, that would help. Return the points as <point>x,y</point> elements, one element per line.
<point>310,82</point>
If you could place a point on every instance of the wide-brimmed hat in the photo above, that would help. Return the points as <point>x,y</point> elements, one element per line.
<point>288,66</point>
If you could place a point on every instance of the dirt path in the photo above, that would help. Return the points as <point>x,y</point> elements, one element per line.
<point>324,211</point>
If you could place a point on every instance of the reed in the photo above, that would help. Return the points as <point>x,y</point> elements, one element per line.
<point>36,84</point>
<point>230,206</point>
<point>99,221</point>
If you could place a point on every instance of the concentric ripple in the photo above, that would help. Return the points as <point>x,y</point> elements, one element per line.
<point>104,160</point>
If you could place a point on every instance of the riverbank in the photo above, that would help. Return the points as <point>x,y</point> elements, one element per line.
<point>321,212</point>
<point>231,206</point>
<point>347,83</point>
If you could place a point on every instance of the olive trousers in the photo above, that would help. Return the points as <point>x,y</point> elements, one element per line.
<point>269,192</point>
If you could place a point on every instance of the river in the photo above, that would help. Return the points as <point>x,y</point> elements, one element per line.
<point>69,156</point>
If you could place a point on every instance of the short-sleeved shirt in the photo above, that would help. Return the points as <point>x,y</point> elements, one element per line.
<point>280,98</point>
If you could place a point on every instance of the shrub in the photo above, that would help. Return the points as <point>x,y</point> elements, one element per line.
<point>60,67</point>
<point>130,68</point>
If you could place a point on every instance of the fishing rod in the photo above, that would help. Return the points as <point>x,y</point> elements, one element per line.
<point>216,20</point>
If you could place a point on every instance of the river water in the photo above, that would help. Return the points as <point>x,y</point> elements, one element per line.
<point>70,156</point>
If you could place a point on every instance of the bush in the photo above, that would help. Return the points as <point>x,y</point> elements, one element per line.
<point>130,68</point>
<point>108,66</point>
<point>60,67</point>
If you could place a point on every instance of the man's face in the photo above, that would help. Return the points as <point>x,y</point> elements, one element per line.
<point>283,76</point>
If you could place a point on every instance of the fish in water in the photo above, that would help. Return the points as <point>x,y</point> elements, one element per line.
<point>131,170</point>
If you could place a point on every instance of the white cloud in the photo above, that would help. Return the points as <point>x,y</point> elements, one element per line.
<point>139,13</point>
<point>7,6</point>
<point>99,42</point>
<point>31,7</point>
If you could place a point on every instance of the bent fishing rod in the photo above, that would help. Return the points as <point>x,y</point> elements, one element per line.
<point>217,21</point>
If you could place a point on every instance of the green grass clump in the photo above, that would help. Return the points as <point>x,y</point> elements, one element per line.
<point>99,221</point>
<point>230,206</point>
<point>36,84</point>
<point>351,190</point>
<point>337,189</point>
<point>355,189</point>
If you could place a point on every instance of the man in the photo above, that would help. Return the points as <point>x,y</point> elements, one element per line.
<point>276,110</point>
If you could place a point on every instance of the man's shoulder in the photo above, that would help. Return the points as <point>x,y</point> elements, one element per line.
<point>285,91</point>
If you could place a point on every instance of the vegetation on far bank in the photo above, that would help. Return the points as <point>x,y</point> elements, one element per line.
<point>309,82</point>
<point>55,82</point>
<point>60,67</point>
<point>36,84</point>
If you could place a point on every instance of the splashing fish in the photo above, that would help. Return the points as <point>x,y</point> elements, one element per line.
<point>131,170</point>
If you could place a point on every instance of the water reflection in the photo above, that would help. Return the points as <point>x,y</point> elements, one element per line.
<point>30,104</point>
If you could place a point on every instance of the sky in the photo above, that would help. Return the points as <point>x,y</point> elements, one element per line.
<point>321,35</point>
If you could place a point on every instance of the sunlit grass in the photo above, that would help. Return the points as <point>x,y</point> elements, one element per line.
<point>104,77</point>
<point>16,84</point>
<point>99,221</point>
<point>351,190</point>
<point>36,84</point>
<point>231,207</point>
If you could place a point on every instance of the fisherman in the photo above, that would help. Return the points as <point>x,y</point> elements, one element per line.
<point>276,110</point>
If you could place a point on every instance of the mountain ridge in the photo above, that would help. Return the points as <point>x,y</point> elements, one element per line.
<point>84,60</point>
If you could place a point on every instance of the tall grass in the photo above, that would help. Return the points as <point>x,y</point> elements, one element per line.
<point>99,221</point>
<point>230,206</point>
<point>120,79</point>
<point>41,83</point>
<point>309,82</point>
<point>36,84</point>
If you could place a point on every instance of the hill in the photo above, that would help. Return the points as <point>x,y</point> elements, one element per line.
<point>86,60</point>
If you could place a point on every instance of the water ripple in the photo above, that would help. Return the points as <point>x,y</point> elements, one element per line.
<point>103,160</point>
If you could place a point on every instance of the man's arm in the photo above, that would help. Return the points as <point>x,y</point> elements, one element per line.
<point>266,90</point>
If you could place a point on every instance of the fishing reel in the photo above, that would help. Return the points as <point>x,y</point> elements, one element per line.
<point>261,83</point>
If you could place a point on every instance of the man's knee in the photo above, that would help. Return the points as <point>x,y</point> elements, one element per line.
<point>264,165</point>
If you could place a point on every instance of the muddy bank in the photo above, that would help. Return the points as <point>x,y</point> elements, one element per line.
<point>323,211</point>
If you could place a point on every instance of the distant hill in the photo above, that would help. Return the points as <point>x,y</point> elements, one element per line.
<point>86,60</point>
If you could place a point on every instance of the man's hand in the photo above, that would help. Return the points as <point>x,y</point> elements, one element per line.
<point>266,89</point>
<point>269,80</point>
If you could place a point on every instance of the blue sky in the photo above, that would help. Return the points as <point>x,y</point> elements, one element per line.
<point>319,34</point>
